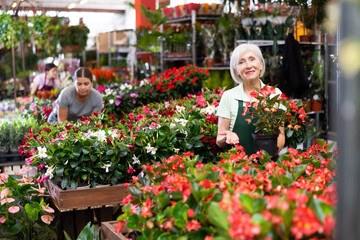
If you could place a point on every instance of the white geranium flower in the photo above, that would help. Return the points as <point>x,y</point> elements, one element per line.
<point>180,108</point>
<point>135,160</point>
<point>111,101</point>
<point>106,167</point>
<point>49,172</point>
<point>42,152</point>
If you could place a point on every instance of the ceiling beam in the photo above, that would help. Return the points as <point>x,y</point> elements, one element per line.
<point>62,9</point>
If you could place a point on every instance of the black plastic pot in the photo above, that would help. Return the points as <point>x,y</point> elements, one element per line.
<point>267,143</point>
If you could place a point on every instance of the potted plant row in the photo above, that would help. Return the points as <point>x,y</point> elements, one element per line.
<point>240,197</point>
<point>12,133</point>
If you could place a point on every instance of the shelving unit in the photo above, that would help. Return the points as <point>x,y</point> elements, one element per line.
<point>192,19</point>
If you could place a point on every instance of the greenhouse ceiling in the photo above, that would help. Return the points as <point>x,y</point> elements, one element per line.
<point>68,5</point>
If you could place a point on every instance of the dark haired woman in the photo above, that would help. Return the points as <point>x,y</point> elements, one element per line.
<point>45,81</point>
<point>77,100</point>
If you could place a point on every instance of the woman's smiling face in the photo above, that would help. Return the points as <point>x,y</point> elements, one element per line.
<point>249,67</point>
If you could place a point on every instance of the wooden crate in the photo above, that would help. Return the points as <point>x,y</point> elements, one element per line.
<point>66,200</point>
<point>108,229</point>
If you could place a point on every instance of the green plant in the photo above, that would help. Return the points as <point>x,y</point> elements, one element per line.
<point>181,198</point>
<point>87,233</point>
<point>12,29</point>
<point>297,127</point>
<point>269,110</point>
<point>73,35</point>
<point>89,152</point>
<point>24,211</point>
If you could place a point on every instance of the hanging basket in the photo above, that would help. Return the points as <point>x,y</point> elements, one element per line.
<point>267,143</point>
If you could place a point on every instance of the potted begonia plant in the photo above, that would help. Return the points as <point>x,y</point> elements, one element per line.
<point>268,114</point>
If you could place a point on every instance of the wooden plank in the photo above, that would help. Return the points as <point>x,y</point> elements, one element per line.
<point>108,229</point>
<point>66,200</point>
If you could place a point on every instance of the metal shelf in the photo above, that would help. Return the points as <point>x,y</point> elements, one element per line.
<point>199,17</point>
<point>216,68</point>
<point>177,58</point>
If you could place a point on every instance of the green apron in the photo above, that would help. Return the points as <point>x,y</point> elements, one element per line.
<point>244,130</point>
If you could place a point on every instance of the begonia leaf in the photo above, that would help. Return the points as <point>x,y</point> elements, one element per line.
<point>217,217</point>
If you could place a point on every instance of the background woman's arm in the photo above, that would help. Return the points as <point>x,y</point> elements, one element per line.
<point>62,114</point>
<point>33,91</point>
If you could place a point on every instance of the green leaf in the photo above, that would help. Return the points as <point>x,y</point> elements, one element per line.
<point>74,164</point>
<point>247,202</point>
<point>88,232</point>
<point>180,223</point>
<point>110,152</point>
<point>133,221</point>
<point>14,229</point>
<point>177,210</point>
<point>321,209</point>
<point>217,217</point>
<point>195,189</point>
<point>298,171</point>
<point>33,213</point>
<point>64,183</point>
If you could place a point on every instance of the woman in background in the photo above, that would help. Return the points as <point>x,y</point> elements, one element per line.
<point>45,81</point>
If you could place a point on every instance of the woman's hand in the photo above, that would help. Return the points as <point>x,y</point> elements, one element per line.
<point>230,137</point>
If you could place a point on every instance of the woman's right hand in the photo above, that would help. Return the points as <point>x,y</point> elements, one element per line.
<point>231,137</point>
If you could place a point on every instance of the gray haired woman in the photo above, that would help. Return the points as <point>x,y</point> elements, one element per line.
<point>247,66</point>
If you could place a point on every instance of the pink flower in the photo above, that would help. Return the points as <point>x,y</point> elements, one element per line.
<point>193,225</point>
<point>47,218</point>
<point>2,219</point>
<point>25,169</point>
<point>13,209</point>
<point>4,193</point>
<point>7,200</point>
<point>48,209</point>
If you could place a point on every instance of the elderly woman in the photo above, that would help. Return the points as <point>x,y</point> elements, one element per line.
<point>246,67</point>
<point>79,100</point>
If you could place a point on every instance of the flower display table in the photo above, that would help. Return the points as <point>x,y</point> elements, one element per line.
<point>66,200</point>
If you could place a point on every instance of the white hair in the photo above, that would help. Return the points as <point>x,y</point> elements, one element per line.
<point>238,52</point>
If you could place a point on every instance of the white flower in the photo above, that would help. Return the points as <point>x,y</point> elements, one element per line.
<point>42,152</point>
<point>106,166</point>
<point>108,91</point>
<point>111,101</point>
<point>209,110</point>
<point>136,160</point>
<point>150,149</point>
<point>172,125</point>
<point>180,108</point>
<point>49,172</point>
<point>99,134</point>
<point>176,150</point>
<point>113,133</point>
<point>183,122</point>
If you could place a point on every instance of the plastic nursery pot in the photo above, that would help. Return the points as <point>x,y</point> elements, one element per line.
<point>267,143</point>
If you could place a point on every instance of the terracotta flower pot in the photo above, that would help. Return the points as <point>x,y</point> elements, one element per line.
<point>316,105</point>
<point>210,62</point>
